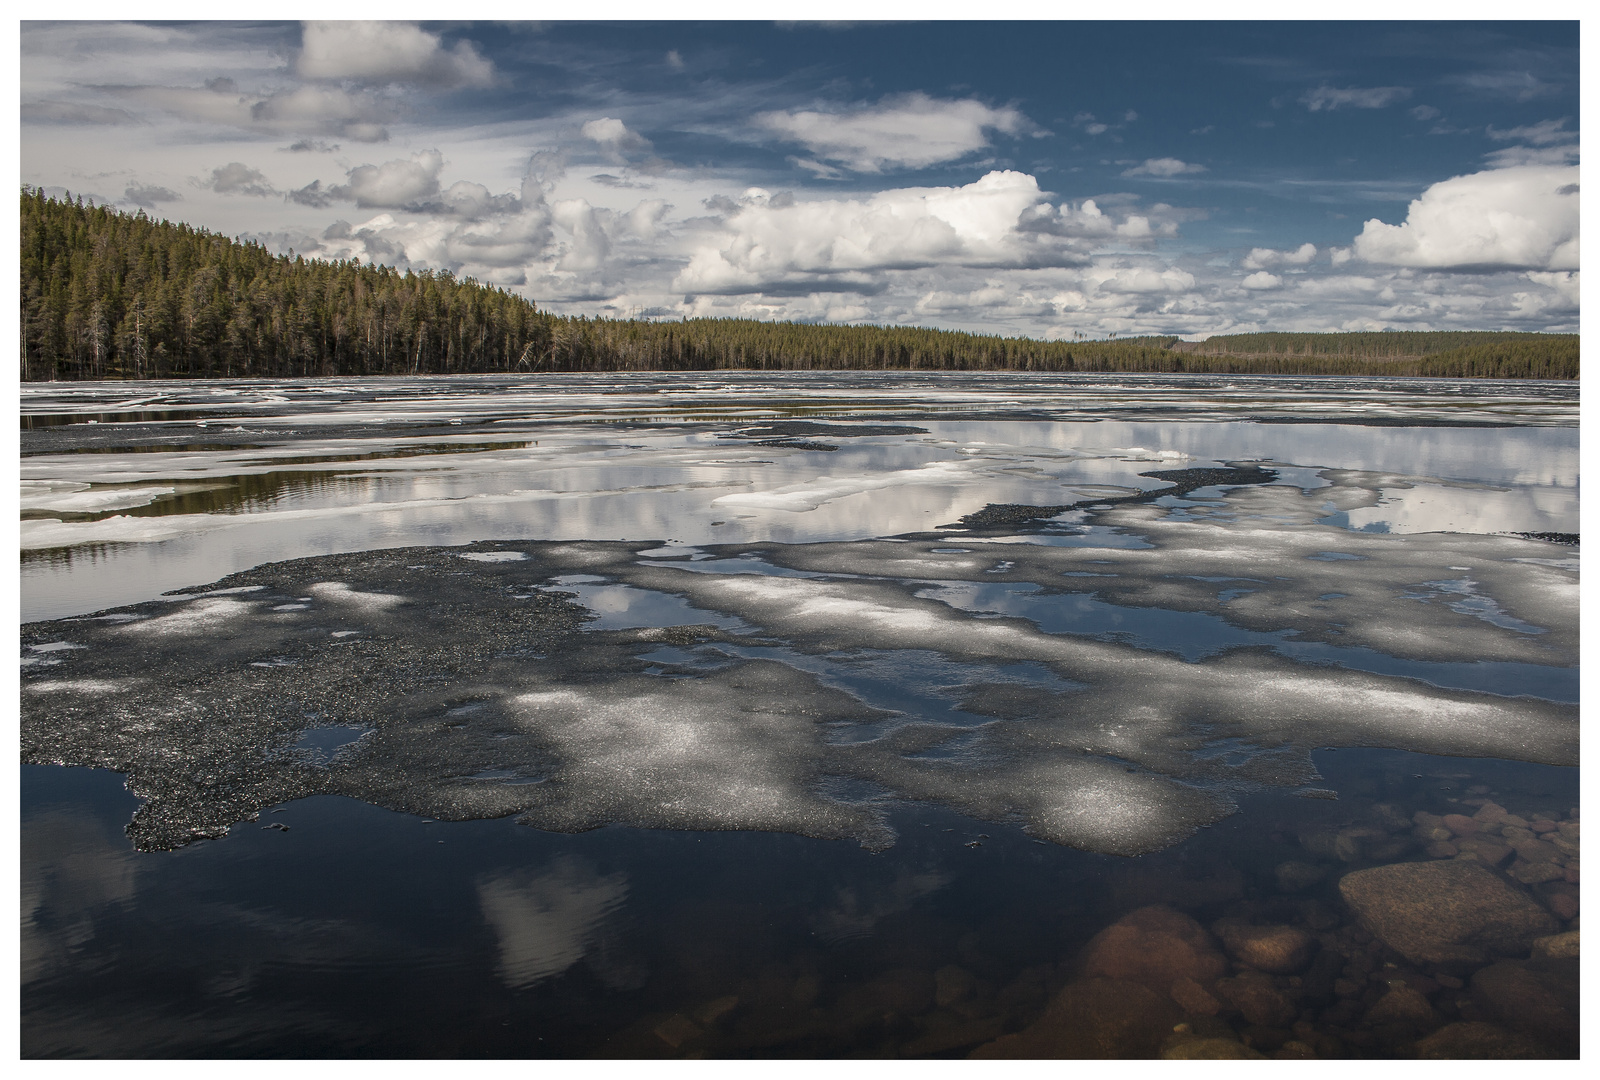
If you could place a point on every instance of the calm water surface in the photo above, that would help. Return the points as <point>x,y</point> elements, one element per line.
<point>743,728</point>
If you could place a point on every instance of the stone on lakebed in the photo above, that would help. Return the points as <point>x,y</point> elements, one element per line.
<point>1448,911</point>
<point>1155,946</point>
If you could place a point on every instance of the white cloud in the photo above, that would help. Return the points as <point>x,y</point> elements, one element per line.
<point>1371,97</point>
<point>613,135</point>
<point>395,184</point>
<point>237,178</point>
<point>1262,280</point>
<point>999,220</point>
<point>1141,279</point>
<point>645,221</point>
<point>907,131</point>
<point>590,244</point>
<point>1524,217</point>
<point>1163,167</point>
<point>376,53</point>
<point>1261,258</point>
<point>1543,133</point>
<point>498,249</point>
<point>1424,112</point>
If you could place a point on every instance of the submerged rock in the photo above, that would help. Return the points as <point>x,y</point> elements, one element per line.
<point>1404,1006</point>
<point>1194,999</point>
<point>1538,998</point>
<point>1277,950</point>
<point>1209,1050</point>
<point>1095,1018</point>
<point>1477,1040</point>
<point>1450,911</point>
<point>1258,999</point>
<point>1556,946</point>
<point>1155,946</point>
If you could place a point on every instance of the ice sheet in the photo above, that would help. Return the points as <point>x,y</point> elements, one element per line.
<point>488,689</point>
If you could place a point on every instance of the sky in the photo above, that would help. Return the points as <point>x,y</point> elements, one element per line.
<point>1045,179</point>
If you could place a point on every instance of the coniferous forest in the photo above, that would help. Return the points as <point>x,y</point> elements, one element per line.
<point>109,295</point>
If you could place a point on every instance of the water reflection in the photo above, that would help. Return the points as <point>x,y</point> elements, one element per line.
<point>360,933</point>
<point>166,521</point>
<point>547,919</point>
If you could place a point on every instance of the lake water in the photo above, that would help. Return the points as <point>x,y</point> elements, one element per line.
<point>800,715</point>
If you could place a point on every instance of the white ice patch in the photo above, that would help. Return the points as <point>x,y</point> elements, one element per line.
<point>799,498</point>
<point>203,615</point>
<point>56,646</point>
<point>67,497</point>
<point>733,751</point>
<point>1139,453</point>
<point>80,686</point>
<point>339,593</point>
<point>495,556</point>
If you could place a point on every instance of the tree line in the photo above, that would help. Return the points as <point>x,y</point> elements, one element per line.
<point>110,295</point>
<point>1372,345</point>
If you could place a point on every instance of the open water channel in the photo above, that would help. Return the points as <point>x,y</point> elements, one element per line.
<point>800,715</point>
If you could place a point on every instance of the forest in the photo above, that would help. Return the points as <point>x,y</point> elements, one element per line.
<point>111,295</point>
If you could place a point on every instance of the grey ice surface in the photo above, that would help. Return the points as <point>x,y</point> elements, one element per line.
<point>763,601</point>
<point>485,689</point>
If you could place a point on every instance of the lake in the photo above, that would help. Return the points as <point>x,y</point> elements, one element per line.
<point>762,714</point>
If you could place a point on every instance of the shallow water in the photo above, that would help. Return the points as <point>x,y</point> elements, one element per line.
<point>812,766</point>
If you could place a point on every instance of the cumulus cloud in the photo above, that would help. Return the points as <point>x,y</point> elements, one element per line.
<point>1141,279</point>
<point>410,184</point>
<point>399,184</point>
<point>906,131</point>
<point>237,178</point>
<point>614,135</point>
<point>149,195</point>
<point>377,53</point>
<point>313,194</point>
<point>1262,280</point>
<point>1522,217</point>
<point>1163,167</point>
<point>1261,258</point>
<point>590,244</point>
<point>497,249</point>
<point>1330,98</point>
<point>823,243</point>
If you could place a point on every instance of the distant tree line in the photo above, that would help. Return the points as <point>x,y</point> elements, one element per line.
<point>109,295</point>
<point>1369,345</point>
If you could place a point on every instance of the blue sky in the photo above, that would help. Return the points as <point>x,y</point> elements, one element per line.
<point>1038,178</point>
